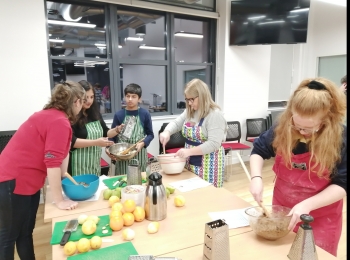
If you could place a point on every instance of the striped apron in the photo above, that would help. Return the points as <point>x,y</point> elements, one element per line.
<point>121,167</point>
<point>209,167</point>
<point>87,160</point>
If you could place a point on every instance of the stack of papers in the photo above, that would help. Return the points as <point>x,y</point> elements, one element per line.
<point>190,184</point>
<point>233,218</point>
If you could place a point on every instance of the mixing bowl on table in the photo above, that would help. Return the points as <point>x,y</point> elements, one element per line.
<point>170,163</point>
<point>117,148</point>
<point>81,192</point>
<point>273,227</point>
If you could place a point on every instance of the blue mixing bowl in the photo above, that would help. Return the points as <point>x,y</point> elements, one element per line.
<point>79,192</point>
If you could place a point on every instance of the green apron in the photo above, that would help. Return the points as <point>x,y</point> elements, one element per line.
<point>121,167</point>
<point>87,160</point>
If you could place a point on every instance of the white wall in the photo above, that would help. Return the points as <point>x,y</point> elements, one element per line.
<point>242,72</point>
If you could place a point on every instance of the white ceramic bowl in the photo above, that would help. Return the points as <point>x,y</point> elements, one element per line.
<point>171,164</point>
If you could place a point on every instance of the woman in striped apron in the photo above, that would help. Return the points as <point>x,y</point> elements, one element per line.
<point>89,135</point>
<point>204,127</point>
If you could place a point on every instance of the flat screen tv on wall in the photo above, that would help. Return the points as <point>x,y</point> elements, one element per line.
<point>269,21</point>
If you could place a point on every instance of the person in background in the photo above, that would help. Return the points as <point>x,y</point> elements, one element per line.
<point>143,128</point>
<point>89,135</point>
<point>38,149</point>
<point>204,127</point>
<point>106,97</point>
<point>344,85</point>
<point>310,149</point>
<point>98,94</point>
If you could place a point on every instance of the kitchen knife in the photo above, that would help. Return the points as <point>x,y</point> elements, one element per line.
<point>68,229</point>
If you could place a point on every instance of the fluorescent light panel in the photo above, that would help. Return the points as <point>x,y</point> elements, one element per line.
<point>86,25</point>
<point>136,39</point>
<point>189,35</point>
<point>56,40</point>
<point>151,47</point>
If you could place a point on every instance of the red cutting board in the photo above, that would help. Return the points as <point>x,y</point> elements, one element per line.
<point>76,235</point>
<point>117,252</point>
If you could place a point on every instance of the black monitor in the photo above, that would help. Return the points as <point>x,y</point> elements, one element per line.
<point>269,21</point>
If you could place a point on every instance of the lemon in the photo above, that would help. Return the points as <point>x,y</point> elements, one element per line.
<point>167,193</point>
<point>153,227</point>
<point>128,234</point>
<point>179,201</point>
<point>82,218</point>
<point>171,189</point>
<point>83,245</point>
<point>93,218</point>
<point>69,248</point>
<point>88,227</point>
<point>95,242</point>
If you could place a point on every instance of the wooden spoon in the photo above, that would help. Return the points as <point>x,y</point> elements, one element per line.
<point>163,148</point>
<point>266,213</point>
<point>131,147</point>
<point>74,181</point>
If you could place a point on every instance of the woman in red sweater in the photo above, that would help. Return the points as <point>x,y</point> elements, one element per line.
<point>38,149</point>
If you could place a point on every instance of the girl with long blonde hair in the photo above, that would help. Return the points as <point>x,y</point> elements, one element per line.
<point>308,142</point>
<point>204,127</point>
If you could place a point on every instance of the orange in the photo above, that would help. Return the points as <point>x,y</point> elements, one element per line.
<point>139,214</point>
<point>128,219</point>
<point>129,205</point>
<point>116,223</point>
<point>117,206</point>
<point>113,199</point>
<point>116,213</point>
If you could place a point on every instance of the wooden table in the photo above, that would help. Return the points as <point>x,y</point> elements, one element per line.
<point>181,234</point>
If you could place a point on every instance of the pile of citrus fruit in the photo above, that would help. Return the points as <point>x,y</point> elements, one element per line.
<point>82,246</point>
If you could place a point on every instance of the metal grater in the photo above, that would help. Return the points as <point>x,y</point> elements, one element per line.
<point>128,128</point>
<point>216,241</point>
<point>303,247</point>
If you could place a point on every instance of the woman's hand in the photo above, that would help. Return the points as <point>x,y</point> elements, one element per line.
<point>164,137</point>
<point>110,155</point>
<point>139,146</point>
<point>119,128</point>
<point>256,189</point>
<point>67,204</point>
<point>296,212</point>
<point>103,142</point>
<point>183,153</point>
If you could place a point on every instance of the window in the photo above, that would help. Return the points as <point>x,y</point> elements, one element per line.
<point>208,5</point>
<point>112,46</point>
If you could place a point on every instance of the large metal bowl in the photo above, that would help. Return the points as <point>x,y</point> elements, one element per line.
<point>115,150</point>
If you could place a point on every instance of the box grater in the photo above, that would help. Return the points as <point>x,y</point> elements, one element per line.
<point>133,175</point>
<point>216,241</point>
<point>303,247</point>
<point>128,128</point>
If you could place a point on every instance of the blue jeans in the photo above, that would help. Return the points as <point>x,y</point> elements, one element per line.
<point>17,221</point>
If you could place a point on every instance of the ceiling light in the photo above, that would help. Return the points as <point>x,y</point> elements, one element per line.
<point>50,34</point>
<point>56,40</point>
<point>136,39</point>
<point>84,65</point>
<point>88,25</point>
<point>119,46</point>
<point>100,45</point>
<point>151,47</point>
<point>190,35</point>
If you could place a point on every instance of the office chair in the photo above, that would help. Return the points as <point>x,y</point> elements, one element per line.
<point>176,142</point>
<point>5,137</point>
<point>255,127</point>
<point>233,142</point>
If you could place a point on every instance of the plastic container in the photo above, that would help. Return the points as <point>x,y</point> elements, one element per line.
<point>79,192</point>
<point>128,192</point>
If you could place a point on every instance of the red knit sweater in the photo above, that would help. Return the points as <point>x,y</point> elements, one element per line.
<point>41,142</point>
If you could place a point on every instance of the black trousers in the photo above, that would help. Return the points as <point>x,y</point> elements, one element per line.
<point>17,221</point>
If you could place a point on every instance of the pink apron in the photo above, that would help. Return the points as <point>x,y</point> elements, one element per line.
<point>293,186</point>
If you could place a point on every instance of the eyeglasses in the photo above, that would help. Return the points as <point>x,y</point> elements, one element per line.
<point>188,100</point>
<point>305,130</point>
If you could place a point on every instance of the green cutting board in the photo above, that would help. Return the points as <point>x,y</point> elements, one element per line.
<point>117,252</point>
<point>76,235</point>
<point>110,181</point>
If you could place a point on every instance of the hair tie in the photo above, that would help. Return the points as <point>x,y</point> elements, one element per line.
<point>316,85</point>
